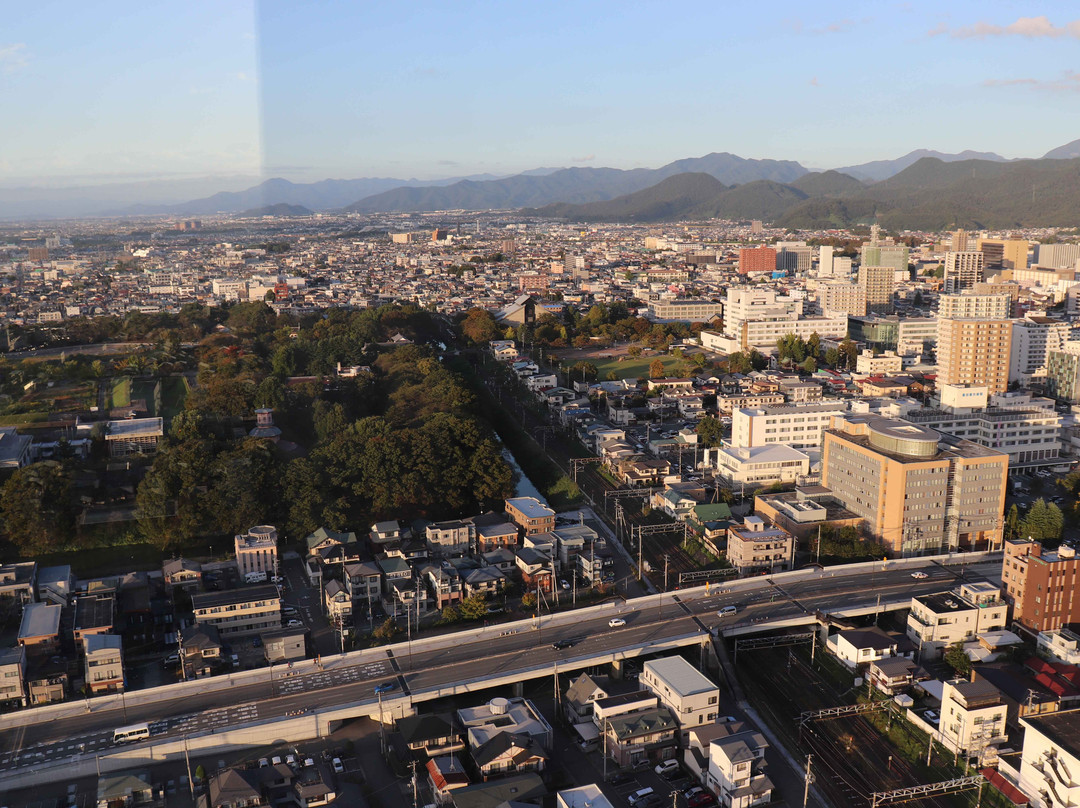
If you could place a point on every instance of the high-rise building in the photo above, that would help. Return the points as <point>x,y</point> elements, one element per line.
<point>841,266</point>
<point>1032,340</point>
<point>1041,586</point>
<point>756,259</point>
<point>919,491</point>
<point>1063,373</point>
<point>845,297</point>
<point>878,284</point>
<point>970,304</point>
<point>794,256</point>
<point>885,255</point>
<point>1009,288</point>
<point>1057,256</point>
<point>959,242</point>
<point>825,261</point>
<point>963,270</point>
<point>1011,253</point>
<point>974,352</point>
<point>757,227</point>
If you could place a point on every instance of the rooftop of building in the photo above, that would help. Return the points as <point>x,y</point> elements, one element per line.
<point>530,507</point>
<point>877,433</point>
<point>40,620</point>
<point>679,675</point>
<point>233,597</point>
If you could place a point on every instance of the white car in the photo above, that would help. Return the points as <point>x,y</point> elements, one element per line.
<point>615,622</point>
<point>339,768</point>
<point>727,610</point>
<point>919,574</point>
<point>294,623</point>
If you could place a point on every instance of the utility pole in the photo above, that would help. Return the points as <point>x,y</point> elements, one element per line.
<point>187,762</point>
<point>806,785</point>
<point>666,559</point>
<point>415,795</point>
<point>817,557</point>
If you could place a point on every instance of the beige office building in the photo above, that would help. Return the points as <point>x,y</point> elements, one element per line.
<point>974,352</point>
<point>971,305</point>
<point>878,284</point>
<point>918,490</point>
<point>845,297</point>
<point>962,270</point>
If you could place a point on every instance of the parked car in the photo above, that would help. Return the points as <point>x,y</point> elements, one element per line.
<point>339,768</point>
<point>667,767</point>
<point>294,623</point>
<point>703,800</point>
<point>931,716</point>
<point>563,583</point>
<point>263,763</point>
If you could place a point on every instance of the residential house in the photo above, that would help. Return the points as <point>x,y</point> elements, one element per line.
<point>125,789</point>
<point>758,547</point>
<point>939,620</point>
<point>336,601</point>
<point>894,675</point>
<point>509,753</point>
<point>18,580</point>
<point>382,533</point>
<point>46,680</point>
<point>200,650</point>
<point>13,676</point>
<point>606,708</point>
<point>695,757</point>
<point>531,515</point>
<point>514,715</point>
<point>39,629</point>
<point>736,773</point>
<point>444,583</point>
<point>104,663</point>
<point>535,569</point>
<point>858,647</point>
<point>494,534</point>
<point>94,614</point>
<point>285,644</point>
<point>483,581</point>
<point>363,581</point>
<point>453,538</point>
<point>646,736</point>
<point>239,612</point>
<point>329,544</point>
<point>445,775</point>
<point>235,788</point>
<point>516,791</point>
<point>580,696</point>
<point>644,472</point>
<point>395,572</point>
<point>1062,645</point>
<point>503,560</point>
<point>182,573</point>
<point>313,786</point>
<point>55,584</point>
<point>972,718</point>
<point>587,796</point>
<point>692,697</point>
<point>431,735</point>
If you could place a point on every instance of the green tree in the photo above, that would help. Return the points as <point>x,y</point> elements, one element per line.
<point>36,511</point>
<point>710,431</point>
<point>1043,521</point>
<point>634,351</point>
<point>474,607</point>
<point>450,614</point>
<point>957,659</point>
<point>387,631</point>
<point>1012,523</point>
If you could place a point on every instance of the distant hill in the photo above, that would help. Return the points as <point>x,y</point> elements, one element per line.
<point>826,183</point>
<point>573,185</point>
<point>883,169</point>
<point>280,209</point>
<point>1069,151</point>
<point>933,194</point>
<point>673,198</point>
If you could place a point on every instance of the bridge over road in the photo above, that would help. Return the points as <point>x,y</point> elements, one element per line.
<point>308,700</point>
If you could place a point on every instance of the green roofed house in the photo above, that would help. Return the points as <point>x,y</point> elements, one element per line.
<point>640,737</point>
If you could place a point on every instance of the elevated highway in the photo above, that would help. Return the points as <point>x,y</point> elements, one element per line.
<point>308,700</point>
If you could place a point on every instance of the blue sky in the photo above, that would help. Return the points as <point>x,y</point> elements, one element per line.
<point>308,90</point>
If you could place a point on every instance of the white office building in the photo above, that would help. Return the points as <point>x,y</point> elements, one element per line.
<point>800,427</point>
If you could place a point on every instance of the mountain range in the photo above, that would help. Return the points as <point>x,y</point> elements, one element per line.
<point>536,188</point>
<point>930,194</point>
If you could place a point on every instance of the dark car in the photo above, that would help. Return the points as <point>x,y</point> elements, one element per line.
<point>561,644</point>
<point>702,800</point>
<point>620,778</point>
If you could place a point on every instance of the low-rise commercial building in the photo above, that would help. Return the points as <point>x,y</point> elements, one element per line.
<point>758,547</point>
<point>692,697</point>
<point>937,621</point>
<point>239,612</point>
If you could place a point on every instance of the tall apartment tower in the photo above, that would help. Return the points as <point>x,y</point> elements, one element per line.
<point>1058,256</point>
<point>959,242</point>
<point>841,296</point>
<point>1033,338</point>
<point>974,352</point>
<point>756,259</point>
<point>920,491</point>
<point>878,284</point>
<point>1041,585</point>
<point>972,305</point>
<point>963,269</point>
<point>825,261</point>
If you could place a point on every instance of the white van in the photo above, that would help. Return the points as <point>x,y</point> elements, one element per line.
<point>254,577</point>
<point>639,797</point>
<point>667,767</point>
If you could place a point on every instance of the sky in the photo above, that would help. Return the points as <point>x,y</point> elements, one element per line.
<point>126,91</point>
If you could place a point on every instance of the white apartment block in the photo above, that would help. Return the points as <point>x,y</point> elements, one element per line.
<point>1032,340</point>
<point>763,333</point>
<point>762,465</point>
<point>741,305</point>
<point>963,269</point>
<point>937,621</point>
<point>689,694</point>
<point>842,296</point>
<point>239,612</point>
<point>1060,645</point>
<point>736,769</point>
<point>229,288</point>
<point>693,311</point>
<point>800,427</point>
<point>1051,759</point>
<point>1027,428</point>
<point>968,304</point>
<point>972,718</point>
<point>886,364</point>
<point>256,550</point>
<point>1058,256</point>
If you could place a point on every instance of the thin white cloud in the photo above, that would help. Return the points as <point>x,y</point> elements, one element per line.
<point>838,27</point>
<point>1027,27</point>
<point>1068,83</point>
<point>13,57</point>
<point>588,158</point>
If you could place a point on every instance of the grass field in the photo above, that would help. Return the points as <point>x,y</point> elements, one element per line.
<point>630,368</point>
<point>145,389</point>
<point>174,390</point>
<point>120,393</point>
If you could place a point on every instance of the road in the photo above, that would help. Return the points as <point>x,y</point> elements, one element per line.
<point>283,692</point>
